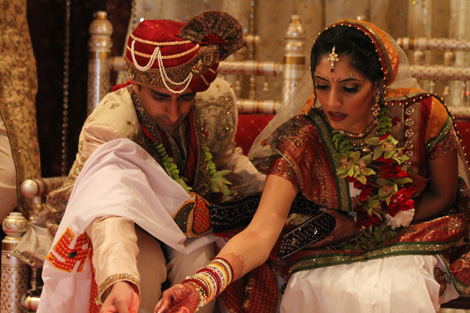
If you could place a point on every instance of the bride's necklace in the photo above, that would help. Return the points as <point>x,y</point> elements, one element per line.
<point>346,142</point>
<point>359,140</point>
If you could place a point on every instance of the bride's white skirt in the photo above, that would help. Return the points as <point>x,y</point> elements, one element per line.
<point>394,284</point>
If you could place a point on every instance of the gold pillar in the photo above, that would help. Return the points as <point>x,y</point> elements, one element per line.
<point>420,25</point>
<point>100,45</point>
<point>294,57</point>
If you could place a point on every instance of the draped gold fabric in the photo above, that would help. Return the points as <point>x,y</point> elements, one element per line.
<point>18,79</point>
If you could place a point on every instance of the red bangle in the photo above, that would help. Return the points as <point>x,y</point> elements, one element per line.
<point>229,265</point>
<point>197,282</point>
<point>217,278</point>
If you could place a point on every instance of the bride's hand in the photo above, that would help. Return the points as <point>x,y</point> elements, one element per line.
<point>344,228</point>
<point>181,298</point>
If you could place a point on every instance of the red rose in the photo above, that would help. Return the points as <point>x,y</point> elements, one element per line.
<point>392,171</point>
<point>366,190</point>
<point>352,180</point>
<point>366,220</point>
<point>401,201</point>
<point>384,137</point>
<point>384,160</point>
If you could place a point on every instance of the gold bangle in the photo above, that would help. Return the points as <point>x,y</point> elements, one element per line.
<point>203,299</point>
<point>228,268</point>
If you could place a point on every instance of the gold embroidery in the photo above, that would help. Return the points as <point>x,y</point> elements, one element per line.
<point>166,57</point>
<point>108,282</point>
<point>165,43</point>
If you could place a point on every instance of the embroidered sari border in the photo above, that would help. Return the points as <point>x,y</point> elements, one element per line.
<point>316,261</point>
<point>441,135</point>
<point>405,96</point>
<point>326,136</point>
<point>458,285</point>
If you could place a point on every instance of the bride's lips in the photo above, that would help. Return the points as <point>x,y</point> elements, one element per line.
<point>336,116</point>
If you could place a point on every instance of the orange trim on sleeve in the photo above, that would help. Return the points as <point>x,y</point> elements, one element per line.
<point>69,251</point>
<point>437,119</point>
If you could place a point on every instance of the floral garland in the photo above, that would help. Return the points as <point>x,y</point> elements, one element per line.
<point>380,181</point>
<point>219,183</point>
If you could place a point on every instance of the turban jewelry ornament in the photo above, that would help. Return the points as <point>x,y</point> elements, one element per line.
<point>158,55</point>
<point>175,55</point>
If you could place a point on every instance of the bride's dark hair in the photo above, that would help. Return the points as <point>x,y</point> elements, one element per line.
<point>352,42</point>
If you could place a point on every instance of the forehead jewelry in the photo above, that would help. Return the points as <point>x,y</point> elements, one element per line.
<point>332,79</point>
<point>333,57</point>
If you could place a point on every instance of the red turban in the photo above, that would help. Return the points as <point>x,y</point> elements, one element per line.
<point>164,53</point>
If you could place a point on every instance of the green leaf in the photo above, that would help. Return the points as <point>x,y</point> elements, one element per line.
<point>351,171</point>
<point>343,145</point>
<point>373,203</point>
<point>378,235</point>
<point>403,181</point>
<point>362,179</point>
<point>338,157</point>
<point>342,172</point>
<point>383,182</point>
<point>367,158</point>
<point>369,172</point>
<point>377,153</point>
<point>403,158</point>
<point>372,141</point>
<point>355,155</point>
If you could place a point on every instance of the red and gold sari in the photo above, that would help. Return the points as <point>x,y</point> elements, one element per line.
<point>303,152</point>
<point>306,158</point>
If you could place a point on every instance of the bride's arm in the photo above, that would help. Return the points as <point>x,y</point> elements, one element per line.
<point>245,251</point>
<point>251,247</point>
<point>441,189</point>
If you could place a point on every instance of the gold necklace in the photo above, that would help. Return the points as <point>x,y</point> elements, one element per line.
<point>358,140</point>
<point>366,132</point>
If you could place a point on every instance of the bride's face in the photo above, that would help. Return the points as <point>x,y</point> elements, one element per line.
<point>345,95</point>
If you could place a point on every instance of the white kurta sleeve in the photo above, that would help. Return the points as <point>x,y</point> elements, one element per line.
<point>115,251</point>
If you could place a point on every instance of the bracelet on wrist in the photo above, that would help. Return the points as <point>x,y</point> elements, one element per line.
<point>203,299</point>
<point>212,279</point>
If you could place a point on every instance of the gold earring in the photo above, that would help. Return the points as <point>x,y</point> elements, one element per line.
<point>376,107</point>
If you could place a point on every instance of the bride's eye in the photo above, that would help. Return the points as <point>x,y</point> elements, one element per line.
<point>321,86</point>
<point>350,89</point>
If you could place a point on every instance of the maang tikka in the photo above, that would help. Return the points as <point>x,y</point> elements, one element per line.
<point>333,57</point>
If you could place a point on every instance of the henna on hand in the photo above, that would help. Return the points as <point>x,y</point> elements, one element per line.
<point>181,298</point>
